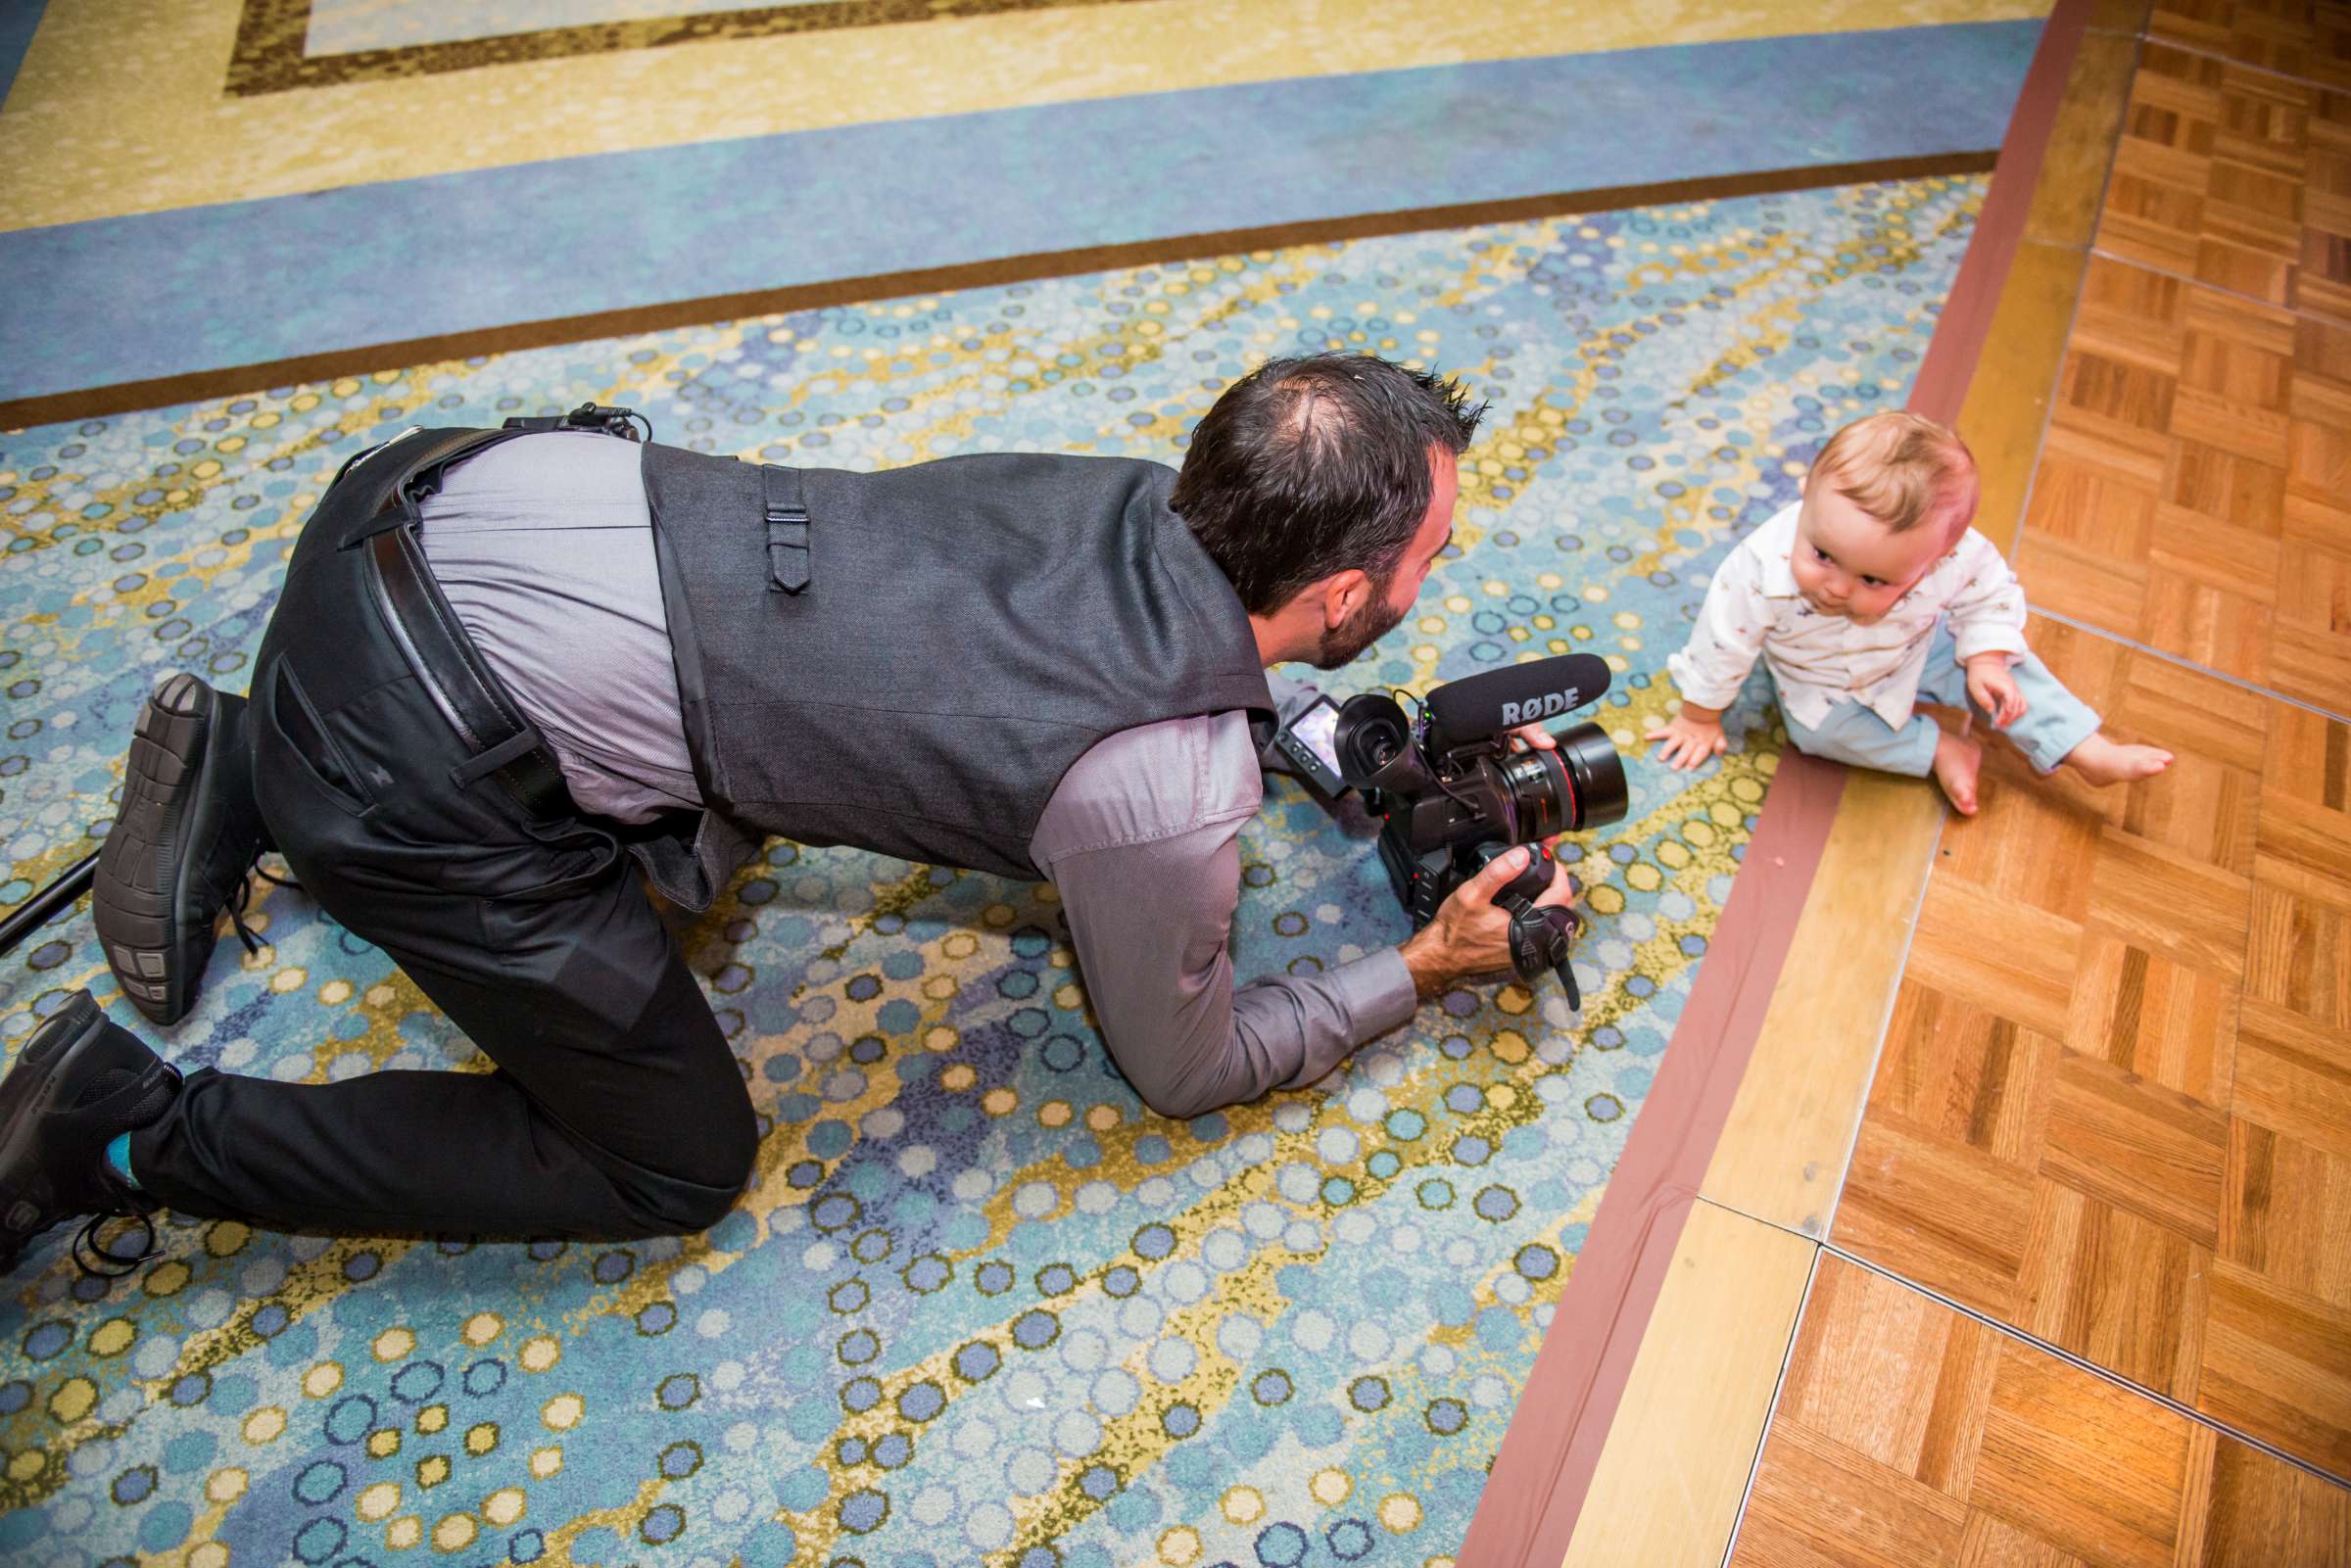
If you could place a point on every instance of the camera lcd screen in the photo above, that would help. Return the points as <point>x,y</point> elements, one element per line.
<point>1318,727</point>
<point>1311,742</point>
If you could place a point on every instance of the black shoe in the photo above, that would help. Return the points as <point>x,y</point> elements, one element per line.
<point>80,1082</point>
<point>187,834</point>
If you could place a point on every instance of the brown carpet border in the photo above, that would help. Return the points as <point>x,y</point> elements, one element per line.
<point>272,38</point>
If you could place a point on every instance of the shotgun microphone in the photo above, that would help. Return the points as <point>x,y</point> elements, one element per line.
<point>1480,705</point>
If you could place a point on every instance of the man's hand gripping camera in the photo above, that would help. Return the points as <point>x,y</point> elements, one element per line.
<point>1541,934</point>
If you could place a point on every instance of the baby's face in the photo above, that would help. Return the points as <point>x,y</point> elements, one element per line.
<point>1845,562</point>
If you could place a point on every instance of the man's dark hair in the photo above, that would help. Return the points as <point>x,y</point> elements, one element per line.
<point>1311,466</point>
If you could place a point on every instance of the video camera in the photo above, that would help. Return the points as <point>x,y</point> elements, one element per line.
<point>1454,795</point>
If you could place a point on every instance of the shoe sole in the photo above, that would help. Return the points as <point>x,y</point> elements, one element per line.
<point>22,1204</point>
<point>154,941</point>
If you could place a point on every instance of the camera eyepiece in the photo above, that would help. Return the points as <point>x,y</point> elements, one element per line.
<point>1373,741</point>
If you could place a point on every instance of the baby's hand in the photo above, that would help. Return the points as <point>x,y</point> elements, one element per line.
<point>1993,689</point>
<point>1689,743</point>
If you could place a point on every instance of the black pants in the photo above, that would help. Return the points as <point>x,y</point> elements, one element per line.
<point>616,1108</point>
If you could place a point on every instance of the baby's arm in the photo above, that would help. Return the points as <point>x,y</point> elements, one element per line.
<point>1713,664</point>
<point>1987,625</point>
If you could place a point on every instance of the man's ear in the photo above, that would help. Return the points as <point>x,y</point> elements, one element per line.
<point>1344,594</point>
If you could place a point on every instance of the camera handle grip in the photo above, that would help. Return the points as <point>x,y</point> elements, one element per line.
<point>1541,936</point>
<point>1541,939</point>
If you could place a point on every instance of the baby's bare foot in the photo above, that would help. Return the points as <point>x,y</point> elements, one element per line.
<point>2105,761</point>
<point>1956,761</point>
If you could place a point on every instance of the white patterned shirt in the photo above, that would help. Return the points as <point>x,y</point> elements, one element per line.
<point>1752,607</point>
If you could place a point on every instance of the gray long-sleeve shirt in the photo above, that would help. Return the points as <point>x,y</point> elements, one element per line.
<point>544,547</point>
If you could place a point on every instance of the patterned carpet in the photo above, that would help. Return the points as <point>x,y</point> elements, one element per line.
<point>978,1305</point>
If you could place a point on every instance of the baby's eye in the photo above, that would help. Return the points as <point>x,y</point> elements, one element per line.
<point>1819,555</point>
<point>1874,581</point>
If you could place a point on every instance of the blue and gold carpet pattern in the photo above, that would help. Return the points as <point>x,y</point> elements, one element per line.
<point>978,1305</point>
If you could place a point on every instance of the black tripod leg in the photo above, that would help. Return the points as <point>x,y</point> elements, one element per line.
<point>44,906</point>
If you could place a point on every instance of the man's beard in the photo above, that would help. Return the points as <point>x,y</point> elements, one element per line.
<point>1366,626</point>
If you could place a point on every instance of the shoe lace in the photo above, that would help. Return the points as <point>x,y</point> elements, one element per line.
<point>113,1264</point>
<point>243,896</point>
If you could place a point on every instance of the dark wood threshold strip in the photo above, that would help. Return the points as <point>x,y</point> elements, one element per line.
<point>198,384</point>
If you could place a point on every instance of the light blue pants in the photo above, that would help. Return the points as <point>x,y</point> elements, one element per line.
<point>2054,720</point>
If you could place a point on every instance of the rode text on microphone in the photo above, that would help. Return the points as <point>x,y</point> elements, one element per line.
<point>1471,709</point>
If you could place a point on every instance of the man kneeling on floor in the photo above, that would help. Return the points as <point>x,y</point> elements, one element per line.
<point>501,658</point>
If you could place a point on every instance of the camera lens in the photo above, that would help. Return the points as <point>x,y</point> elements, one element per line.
<point>1579,786</point>
<point>1597,773</point>
<point>1539,793</point>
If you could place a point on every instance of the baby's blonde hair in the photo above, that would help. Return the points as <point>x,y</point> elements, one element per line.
<point>1901,469</point>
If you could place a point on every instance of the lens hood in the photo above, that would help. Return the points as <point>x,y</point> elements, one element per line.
<point>1596,777</point>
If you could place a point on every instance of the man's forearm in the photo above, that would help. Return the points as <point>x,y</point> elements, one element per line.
<point>1158,973</point>
<point>1321,1020</point>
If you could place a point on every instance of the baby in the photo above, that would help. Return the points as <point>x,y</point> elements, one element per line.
<point>1872,595</point>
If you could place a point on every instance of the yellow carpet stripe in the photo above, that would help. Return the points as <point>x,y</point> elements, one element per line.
<point>118,109</point>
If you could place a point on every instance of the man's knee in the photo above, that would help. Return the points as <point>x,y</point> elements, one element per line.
<point>734,1145</point>
<point>670,1206</point>
<point>718,1155</point>
<point>682,1211</point>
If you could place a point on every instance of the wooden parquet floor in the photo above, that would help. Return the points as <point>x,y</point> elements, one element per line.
<point>2112,1112</point>
<point>2113,1108</point>
<point>1910,1436</point>
<point>2195,489</point>
<point>2233,175</point>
